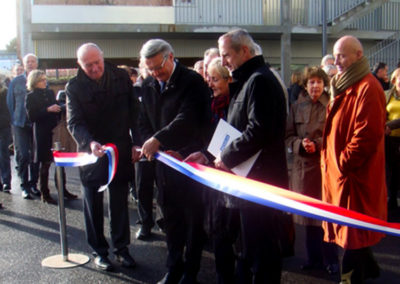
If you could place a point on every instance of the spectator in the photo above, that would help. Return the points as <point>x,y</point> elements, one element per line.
<point>220,220</point>
<point>380,72</point>
<point>353,157</point>
<point>330,70</point>
<point>62,135</point>
<point>328,59</point>
<point>18,69</point>
<point>22,130</point>
<point>100,110</point>
<point>133,75</point>
<point>5,141</point>
<point>304,137</point>
<point>43,111</point>
<point>296,81</point>
<point>392,140</point>
<point>199,67</point>
<point>258,110</point>
<point>175,113</point>
<point>209,55</point>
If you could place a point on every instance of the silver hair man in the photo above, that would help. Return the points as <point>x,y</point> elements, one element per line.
<point>154,47</point>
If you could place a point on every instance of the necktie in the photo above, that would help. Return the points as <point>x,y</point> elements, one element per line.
<point>162,86</point>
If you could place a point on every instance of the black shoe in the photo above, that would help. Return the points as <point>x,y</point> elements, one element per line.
<point>170,278</point>
<point>1,206</point>
<point>35,191</point>
<point>6,188</point>
<point>332,269</point>
<point>143,233</point>
<point>103,263</point>
<point>188,279</point>
<point>68,195</point>
<point>48,199</point>
<point>125,259</point>
<point>25,194</point>
<point>311,266</point>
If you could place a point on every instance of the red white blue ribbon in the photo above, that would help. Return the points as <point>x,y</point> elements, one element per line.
<point>276,197</point>
<point>63,159</point>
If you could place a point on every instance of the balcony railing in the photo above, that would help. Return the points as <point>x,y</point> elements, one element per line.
<point>267,13</point>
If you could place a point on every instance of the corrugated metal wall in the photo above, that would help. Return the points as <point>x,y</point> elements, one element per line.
<point>118,48</point>
<point>220,12</point>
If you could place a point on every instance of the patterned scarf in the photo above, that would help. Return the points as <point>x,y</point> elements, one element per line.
<point>355,73</point>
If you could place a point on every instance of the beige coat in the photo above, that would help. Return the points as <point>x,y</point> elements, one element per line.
<point>306,120</point>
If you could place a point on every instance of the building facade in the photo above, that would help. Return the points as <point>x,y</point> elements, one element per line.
<point>290,33</point>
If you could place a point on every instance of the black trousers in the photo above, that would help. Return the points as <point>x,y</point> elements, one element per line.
<point>358,265</point>
<point>225,231</point>
<point>145,179</point>
<point>392,150</point>
<point>181,203</point>
<point>118,217</point>
<point>184,230</point>
<point>44,178</point>
<point>260,260</point>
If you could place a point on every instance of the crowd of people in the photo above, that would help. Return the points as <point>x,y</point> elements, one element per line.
<point>333,136</point>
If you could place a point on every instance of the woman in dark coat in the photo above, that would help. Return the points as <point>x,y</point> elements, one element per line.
<point>43,111</point>
<point>304,137</point>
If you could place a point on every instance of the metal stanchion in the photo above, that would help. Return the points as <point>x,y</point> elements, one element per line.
<point>63,260</point>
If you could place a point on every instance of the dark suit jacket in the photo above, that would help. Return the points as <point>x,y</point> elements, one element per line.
<point>178,117</point>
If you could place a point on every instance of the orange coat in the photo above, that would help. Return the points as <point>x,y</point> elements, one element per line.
<point>353,160</point>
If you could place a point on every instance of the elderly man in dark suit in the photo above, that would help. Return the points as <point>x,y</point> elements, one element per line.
<point>100,110</point>
<point>175,113</point>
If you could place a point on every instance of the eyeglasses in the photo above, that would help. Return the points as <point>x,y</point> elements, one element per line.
<point>157,68</point>
<point>42,79</point>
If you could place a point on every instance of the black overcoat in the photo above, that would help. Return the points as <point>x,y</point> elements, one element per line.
<point>36,103</point>
<point>258,110</point>
<point>104,112</point>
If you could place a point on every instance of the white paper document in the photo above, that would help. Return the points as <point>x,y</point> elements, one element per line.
<point>224,134</point>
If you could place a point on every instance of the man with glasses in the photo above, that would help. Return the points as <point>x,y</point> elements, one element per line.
<point>175,113</point>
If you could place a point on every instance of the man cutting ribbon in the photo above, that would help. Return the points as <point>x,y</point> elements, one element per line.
<point>100,109</point>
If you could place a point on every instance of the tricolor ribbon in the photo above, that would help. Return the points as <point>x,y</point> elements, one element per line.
<point>63,159</point>
<point>276,197</point>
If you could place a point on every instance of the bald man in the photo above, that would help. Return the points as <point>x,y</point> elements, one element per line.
<point>100,110</point>
<point>352,157</point>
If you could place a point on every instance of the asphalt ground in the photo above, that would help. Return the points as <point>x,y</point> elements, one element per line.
<point>29,233</point>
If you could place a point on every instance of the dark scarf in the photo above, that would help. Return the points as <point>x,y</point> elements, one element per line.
<point>219,107</point>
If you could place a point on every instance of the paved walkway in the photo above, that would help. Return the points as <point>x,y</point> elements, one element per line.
<point>29,232</point>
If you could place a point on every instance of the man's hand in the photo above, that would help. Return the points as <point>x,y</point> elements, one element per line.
<point>54,108</point>
<point>197,157</point>
<point>149,148</point>
<point>174,154</point>
<point>135,154</point>
<point>97,149</point>
<point>220,165</point>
